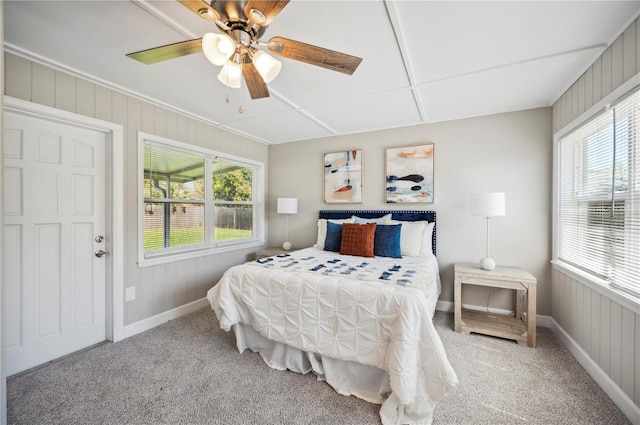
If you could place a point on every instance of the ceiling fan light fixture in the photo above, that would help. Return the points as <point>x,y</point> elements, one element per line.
<point>267,66</point>
<point>231,74</point>
<point>217,48</point>
<point>242,24</point>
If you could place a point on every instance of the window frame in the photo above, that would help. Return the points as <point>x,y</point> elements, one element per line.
<point>592,281</point>
<point>210,245</point>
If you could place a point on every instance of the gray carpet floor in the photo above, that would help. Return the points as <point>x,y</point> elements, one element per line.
<point>188,371</point>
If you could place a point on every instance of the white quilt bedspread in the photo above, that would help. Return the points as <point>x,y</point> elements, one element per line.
<point>373,322</point>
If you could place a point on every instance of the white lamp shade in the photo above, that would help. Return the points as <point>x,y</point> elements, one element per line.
<point>287,205</point>
<point>267,66</point>
<point>217,47</point>
<point>488,204</point>
<point>231,74</point>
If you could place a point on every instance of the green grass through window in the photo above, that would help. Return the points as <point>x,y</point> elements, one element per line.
<point>153,238</point>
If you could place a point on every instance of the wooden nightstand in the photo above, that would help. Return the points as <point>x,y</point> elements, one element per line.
<point>269,252</point>
<point>499,325</point>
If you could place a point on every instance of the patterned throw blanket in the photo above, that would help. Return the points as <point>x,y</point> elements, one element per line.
<point>339,316</point>
<point>356,269</point>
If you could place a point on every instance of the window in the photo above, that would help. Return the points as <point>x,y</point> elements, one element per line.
<point>599,196</point>
<point>194,201</point>
<point>233,199</point>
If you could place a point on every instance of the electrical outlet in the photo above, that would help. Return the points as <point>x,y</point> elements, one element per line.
<point>130,293</point>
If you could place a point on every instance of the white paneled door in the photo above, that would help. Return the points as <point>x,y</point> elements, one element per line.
<point>54,227</point>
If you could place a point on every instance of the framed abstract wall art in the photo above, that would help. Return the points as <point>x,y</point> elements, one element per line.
<point>409,174</point>
<point>343,177</point>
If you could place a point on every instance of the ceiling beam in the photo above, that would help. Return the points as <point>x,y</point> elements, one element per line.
<point>392,13</point>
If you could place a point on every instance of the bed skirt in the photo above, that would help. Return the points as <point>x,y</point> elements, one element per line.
<point>345,377</point>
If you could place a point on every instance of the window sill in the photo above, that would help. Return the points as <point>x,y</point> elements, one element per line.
<point>186,255</point>
<point>624,299</point>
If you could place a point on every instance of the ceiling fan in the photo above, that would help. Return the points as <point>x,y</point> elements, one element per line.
<point>242,23</point>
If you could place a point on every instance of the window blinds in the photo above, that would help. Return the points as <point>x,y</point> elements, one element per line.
<point>174,206</point>
<point>625,254</point>
<point>599,196</point>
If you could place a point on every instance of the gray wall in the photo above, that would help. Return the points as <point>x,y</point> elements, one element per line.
<point>3,375</point>
<point>162,287</point>
<point>604,327</point>
<point>509,153</point>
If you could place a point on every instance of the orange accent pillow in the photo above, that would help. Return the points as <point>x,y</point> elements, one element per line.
<point>357,239</point>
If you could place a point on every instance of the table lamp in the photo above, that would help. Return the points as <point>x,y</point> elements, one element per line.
<point>287,206</point>
<point>488,205</point>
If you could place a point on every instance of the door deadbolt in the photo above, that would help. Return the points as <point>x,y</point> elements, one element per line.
<point>100,253</point>
<point>99,238</point>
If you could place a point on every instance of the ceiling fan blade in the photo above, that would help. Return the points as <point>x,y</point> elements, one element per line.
<point>170,51</point>
<point>256,85</point>
<point>202,9</point>
<point>314,55</point>
<point>269,8</point>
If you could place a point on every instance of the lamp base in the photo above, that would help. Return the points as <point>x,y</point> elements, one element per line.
<point>487,264</point>
<point>286,246</point>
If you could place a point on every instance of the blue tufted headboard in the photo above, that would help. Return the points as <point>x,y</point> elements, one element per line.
<point>429,216</point>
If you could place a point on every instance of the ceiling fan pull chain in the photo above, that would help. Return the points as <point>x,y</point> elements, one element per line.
<point>240,110</point>
<point>227,99</point>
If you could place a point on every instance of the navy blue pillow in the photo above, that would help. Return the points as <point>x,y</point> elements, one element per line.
<point>386,242</point>
<point>334,237</point>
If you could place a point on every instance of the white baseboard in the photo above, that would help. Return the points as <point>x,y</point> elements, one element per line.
<point>622,400</point>
<point>614,392</point>
<point>447,306</point>
<point>152,322</point>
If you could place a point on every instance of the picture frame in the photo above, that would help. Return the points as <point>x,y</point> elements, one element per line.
<point>409,176</point>
<point>343,182</point>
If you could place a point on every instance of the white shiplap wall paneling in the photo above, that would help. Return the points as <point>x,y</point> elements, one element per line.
<point>605,335</point>
<point>581,94</point>
<point>637,24</point>
<point>629,46</point>
<point>615,348</point>
<point>627,359</point>
<point>65,92</point>
<point>586,319</point>
<point>103,103</point>
<point>595,327</point>
<point>637,357</point>
<point>597,81</point>
<point>43,86</point>
<point>85,98</point>
<point>616,63</point>
<point>606,72</point>
<point>18,77</point>
<point>604,329</point>
<point>588,88</point>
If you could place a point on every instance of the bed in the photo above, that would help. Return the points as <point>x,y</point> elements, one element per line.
<point>355,309</point>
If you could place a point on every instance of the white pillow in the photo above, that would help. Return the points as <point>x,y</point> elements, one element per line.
<point>427,240</point>
<point>322,229</point>
<point>415,237</point>
<point>378,220</point>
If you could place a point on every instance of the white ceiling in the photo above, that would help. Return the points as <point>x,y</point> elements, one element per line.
<point>423,61</point>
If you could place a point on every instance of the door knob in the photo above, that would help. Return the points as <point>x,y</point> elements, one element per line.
<point>100,253</point>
